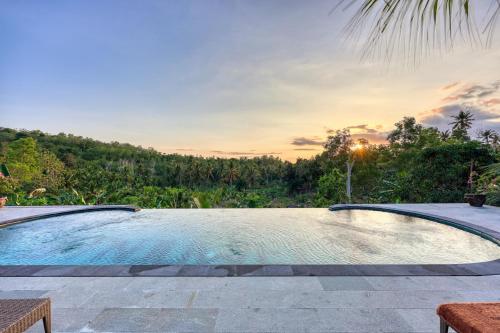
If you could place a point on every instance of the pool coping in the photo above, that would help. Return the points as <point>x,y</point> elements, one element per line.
<point>491,235</point>
<point>469,269</point>
<point>75,210</point>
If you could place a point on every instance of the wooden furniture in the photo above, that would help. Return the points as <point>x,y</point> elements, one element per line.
<point>17,315</point>
<point>470,317</point>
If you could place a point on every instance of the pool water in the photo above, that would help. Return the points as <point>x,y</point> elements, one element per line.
<point>240,236</point>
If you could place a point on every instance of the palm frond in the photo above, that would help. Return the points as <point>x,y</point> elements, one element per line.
<point>414,27</point>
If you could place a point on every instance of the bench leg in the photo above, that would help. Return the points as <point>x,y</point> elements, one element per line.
<point>443,326</point>
<point>46,324</point>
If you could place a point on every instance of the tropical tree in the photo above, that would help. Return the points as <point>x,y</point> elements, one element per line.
<point>488,136</point>
<point>341,145</point>
<point>406,133</point>
<point>461,123</point>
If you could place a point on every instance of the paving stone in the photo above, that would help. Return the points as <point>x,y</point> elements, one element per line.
<point>344,283</point>
<point>69,297</point>
<point>22,294</point>
<point>422,320</point>
<point>416,283</point>
<point>490,282</point>
<point>310,320</point>
<point>233,283</point>
<point>154,320</point>
<point>325,299</point>
<point>67,320</point>
<point>158,271</point>
<point>29,283</point>
<point>139,299</point>
<point>480,296</point>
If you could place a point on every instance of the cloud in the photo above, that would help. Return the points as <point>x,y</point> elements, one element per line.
<point>376,138</point>
<point>451,85</point>
<point>251,152</point>
<point>441,117</point>
<point>475,92</point>
<point>303,141</point>
<point>242,153</point>
<point>363,131</point>
<point>491,102</point>
<point>305,149</point>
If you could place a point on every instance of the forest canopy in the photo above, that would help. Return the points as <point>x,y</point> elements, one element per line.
<point>418,164</point>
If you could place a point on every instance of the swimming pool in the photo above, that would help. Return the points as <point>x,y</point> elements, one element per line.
<point>240,237</point>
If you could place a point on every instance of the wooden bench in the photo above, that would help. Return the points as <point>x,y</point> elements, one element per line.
<point>17,315</point>
<point>470,317</point>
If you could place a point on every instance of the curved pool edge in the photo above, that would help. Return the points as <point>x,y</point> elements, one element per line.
<point>67,210</point>
<point>488,234</point>
<point>468,269</point>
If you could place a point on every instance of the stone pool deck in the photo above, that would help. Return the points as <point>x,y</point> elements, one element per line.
<point>249,304</point>
<point>261,304</point>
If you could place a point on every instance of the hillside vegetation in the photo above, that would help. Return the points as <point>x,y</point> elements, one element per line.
<point>418,164</point>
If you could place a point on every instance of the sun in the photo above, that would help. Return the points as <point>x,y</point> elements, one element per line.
<point>357,146</point>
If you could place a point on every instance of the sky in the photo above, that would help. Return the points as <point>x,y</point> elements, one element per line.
<point>222,78</point>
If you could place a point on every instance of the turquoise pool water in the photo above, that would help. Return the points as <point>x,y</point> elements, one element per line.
<point>240,236</point>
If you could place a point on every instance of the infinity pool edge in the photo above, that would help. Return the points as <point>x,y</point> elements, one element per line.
<point>469,269</point>
<point>488,234</point>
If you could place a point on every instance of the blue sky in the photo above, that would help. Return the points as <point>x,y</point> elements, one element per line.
<point>225,78</point>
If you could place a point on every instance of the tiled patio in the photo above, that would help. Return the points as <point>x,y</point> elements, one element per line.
<point>249,304</point>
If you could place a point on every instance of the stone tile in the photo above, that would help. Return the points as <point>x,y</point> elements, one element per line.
<point>154,320</point>
<point>150,283</point>
<point>194,270</point>
<point>131,298</point>
<point>421,320</point>
<point>156,271</point>
<point>45,283</point>
<point>416,283</point>
<point>279,270</point>
<point>310,320</point>
<point>22,294</point>
<point>247,283</point>
<point>22,270</point>
<point>85,271</point>
<point>344,283</point>
<point>491,282</point>
<point>126,320</point>
<point>69,297</point>
<point>326,270</point>
<point>325,299</point>
<point>480,296</point>
<point>68,320</point>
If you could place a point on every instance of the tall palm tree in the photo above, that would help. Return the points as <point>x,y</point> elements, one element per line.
<point>232,173</point>
<point>488,136</point>
<point>462,121</point>
<point>414,26</point>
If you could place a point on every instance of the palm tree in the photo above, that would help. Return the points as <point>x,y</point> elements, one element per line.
<point>412,26</point>
<point>232,173</point>
<point>488,136</point>
<point>462,122</point>
<point>444,135</point>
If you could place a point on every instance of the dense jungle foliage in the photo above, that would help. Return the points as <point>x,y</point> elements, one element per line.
<point>418,164</point>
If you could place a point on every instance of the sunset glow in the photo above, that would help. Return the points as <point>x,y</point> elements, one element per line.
<point>227,79</point>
